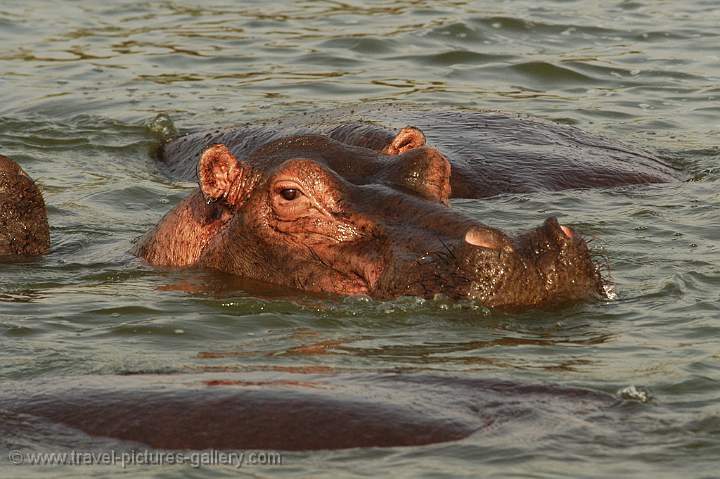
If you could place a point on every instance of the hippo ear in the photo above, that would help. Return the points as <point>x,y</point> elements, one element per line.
<point>218,172</point>
<point>408,139</point>
<point>424,171</point>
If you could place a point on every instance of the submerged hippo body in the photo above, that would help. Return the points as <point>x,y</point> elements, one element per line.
<point>353,208</point>
<point>257,410</point>
<point>24,227</point>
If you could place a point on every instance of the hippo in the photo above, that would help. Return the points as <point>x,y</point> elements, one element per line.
<point>353,208</point>
<point>281,411</point>
<point>24,229</point>
<point>491,153</point>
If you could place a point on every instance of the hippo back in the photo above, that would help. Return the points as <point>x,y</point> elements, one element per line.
<point>490,152</point>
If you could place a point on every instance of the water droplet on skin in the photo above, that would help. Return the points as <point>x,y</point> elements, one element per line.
<point>425,259</point>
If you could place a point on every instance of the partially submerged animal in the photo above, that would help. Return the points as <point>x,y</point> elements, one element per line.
<point>279,411</point>
<point>353,208</point>
<point>24,227</point>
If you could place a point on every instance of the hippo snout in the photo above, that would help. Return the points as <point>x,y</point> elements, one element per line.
<point>549,264</point>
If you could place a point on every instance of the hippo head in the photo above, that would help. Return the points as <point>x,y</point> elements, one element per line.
<point>24,227</point>
<point>311,221</point>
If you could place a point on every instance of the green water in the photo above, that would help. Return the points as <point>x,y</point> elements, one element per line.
<point>81,81</point>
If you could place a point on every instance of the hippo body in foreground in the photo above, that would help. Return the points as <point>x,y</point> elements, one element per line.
<point>257,410</point>
<point>352,208</point>
<point>24,229</point>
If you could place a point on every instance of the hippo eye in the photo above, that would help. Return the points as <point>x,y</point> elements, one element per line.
<point>289,194</point>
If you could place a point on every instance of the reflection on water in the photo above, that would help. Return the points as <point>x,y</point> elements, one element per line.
<point>465,355</point>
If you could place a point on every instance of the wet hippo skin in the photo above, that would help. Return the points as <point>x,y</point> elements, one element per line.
<point>287,412</point>
<point>24,227</point>
<point>286,216</point>
<point>353,208</point>
<point>490,153</point>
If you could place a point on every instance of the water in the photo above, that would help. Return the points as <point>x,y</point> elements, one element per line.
<point>80,82</point>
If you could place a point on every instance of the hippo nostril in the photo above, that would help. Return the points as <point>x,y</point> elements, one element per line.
<point>568,231</point>
<point>483,238</point>
<point>555,230</point>
<point>559,233</point>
